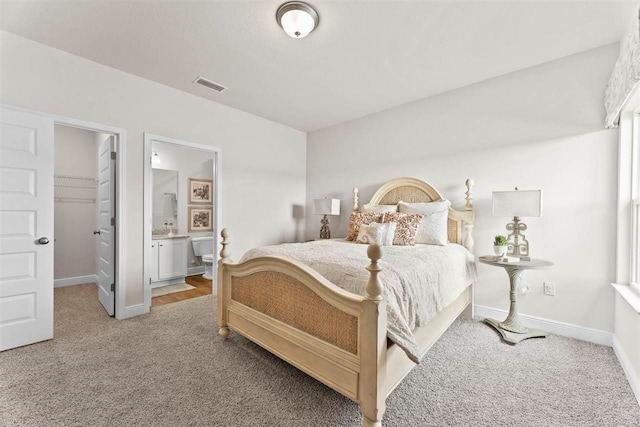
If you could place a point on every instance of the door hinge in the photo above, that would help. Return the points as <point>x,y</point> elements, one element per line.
<point>113,155</point>
<point>113,287</point>
<point>113,221</point>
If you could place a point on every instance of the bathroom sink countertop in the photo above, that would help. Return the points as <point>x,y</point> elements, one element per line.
<point>166,237</point>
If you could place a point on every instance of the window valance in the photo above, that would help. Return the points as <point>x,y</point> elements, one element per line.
<point>625,76</point>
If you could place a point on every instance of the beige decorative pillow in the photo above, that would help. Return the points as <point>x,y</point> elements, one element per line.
<point>382,234</point>
<point>372,233</point>
<point>357,219</point>
<point>380,208</point>
<point>406,229</point>
<point>435,215</point>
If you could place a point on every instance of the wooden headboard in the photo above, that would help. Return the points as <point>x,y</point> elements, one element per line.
<point>412,190</point>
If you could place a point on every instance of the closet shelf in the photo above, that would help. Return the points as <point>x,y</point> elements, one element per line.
<point>75,189</point>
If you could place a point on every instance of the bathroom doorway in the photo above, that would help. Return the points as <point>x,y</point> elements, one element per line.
<point>85,202</point>
<point>181,214</point>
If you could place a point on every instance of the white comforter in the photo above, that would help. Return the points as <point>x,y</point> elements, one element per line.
<point>418,281</point>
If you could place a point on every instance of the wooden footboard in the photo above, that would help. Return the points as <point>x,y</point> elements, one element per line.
<point>335,336</point>
<point>283,298</point>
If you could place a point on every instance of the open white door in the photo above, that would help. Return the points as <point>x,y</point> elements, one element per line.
<point>106,223</point>
<point>26,228</point>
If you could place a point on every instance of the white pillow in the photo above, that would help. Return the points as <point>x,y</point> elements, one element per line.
<point>424,208</point>
<point>380,208</point>
<point>381,234</point>
<point>390,233</point>
<point>433,227</point>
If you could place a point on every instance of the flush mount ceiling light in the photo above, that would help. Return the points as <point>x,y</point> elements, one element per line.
<point>297,19</point>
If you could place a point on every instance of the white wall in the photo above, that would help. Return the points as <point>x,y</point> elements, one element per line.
<point>75,245</point>
<point>263,163</point>
<point>539,128</point>
<point>189,163</point>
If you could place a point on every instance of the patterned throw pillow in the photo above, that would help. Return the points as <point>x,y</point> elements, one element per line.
<point>406,229</point>
<point>435,215</point>
<point>357,219</point>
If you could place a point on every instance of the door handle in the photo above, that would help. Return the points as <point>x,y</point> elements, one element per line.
<point>43,241</point>
<point>96,232</point>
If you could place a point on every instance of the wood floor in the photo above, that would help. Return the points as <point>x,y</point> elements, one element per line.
<point>203,287</point>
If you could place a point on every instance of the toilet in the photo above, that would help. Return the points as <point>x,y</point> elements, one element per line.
<point>203,247</point>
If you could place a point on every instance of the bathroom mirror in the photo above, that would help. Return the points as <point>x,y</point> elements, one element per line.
<point>165,199</point>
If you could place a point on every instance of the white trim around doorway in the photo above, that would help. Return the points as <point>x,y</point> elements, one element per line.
<point>148,211</point>
<point>121,144</point>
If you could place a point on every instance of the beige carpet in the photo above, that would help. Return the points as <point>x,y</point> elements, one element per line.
<point>169,368</point>
<point>171,289</point>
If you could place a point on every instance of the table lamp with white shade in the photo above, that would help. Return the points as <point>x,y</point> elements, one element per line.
<point>517,204</point>
<point>326,207</point>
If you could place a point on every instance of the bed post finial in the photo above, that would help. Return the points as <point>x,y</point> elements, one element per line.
<point>374,287</point>
<point>373,345</point>
<point>224,257</point>
<point>469,216</point>
<point>469,205</point>
<point>355,199</point>
<point>225,253</point>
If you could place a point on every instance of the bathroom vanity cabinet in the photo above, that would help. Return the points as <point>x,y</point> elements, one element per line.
<point>169,260</point>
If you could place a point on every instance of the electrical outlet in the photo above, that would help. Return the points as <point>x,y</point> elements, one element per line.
<point>549,288</point>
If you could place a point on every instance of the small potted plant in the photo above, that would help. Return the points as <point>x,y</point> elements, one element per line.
<point>500,245</point>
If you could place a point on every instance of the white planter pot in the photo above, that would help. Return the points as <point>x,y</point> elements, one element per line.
<point>500,250</point>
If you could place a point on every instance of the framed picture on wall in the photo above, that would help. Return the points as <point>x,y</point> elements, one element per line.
<point>201,218</point>
<point>200,191</point>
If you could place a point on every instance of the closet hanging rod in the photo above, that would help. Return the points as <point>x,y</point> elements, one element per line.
<point>73,200</point>
<point>72,186</point>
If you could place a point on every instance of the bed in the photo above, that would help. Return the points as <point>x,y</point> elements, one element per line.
<point>339,337</point>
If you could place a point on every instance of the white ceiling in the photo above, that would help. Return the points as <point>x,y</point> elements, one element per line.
<point>364,57</point>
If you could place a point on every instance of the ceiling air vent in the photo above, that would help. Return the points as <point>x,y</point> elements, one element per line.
<point>208,83</point>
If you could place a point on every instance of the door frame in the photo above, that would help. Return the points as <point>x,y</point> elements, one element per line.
<point>148,211</point>
<point>120,147</point>
<point>121,144</point>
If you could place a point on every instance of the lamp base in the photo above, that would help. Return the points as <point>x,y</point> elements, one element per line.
<point>520,246</point>
<point>514,337</point>
<point>325,233</point>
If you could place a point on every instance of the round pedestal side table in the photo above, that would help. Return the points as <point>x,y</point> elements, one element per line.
<point>511,328</point>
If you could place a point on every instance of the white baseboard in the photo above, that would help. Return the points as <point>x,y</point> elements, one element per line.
<point>135,310</point>
<point>633,379</point>
<point>595,336</point>
<point>193,271</point>
<point>162,283</point>
<point>79,280</point>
